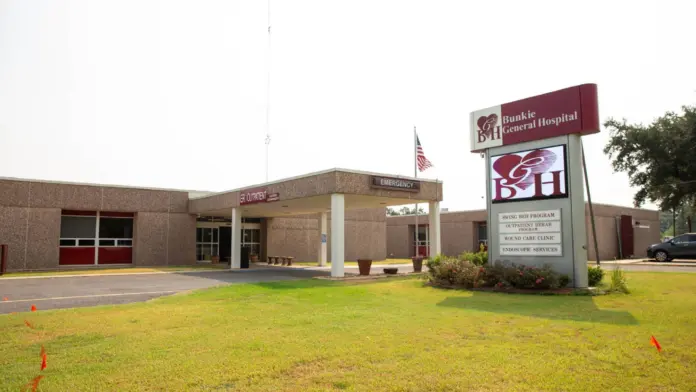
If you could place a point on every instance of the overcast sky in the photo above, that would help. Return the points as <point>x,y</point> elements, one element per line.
<point>173,93</point>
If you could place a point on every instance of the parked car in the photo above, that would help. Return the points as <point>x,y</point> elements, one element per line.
<point>680,247</point>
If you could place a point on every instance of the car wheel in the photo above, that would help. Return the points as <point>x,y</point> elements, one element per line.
<point>661,256</point>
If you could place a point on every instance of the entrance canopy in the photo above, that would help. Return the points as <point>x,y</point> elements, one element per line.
<point>311,194</point>
<point>332,191</point>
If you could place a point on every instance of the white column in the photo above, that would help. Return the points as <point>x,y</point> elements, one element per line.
<point>323,239</point>
<point>434,228</point>
<point>96,242</point>
<point>338,212</point>
<point>236,251</point>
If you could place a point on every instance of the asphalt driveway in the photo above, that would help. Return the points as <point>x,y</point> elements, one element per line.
<point>80,291</point>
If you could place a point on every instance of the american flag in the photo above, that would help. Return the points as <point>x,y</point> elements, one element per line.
<point>423,162</point>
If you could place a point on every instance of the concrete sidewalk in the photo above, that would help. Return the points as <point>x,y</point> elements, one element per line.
<point>60,275</point>
<point>646,262</point>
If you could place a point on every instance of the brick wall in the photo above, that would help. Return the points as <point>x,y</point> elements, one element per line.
<point>30,212</point>
<point>365,236</point>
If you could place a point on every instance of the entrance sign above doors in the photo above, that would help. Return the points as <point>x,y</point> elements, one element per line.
<point>395,183</point>
<point>253,196</point>
<point>563,112</point>
<point>529,175</point>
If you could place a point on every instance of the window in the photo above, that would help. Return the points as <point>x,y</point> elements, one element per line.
<point>73,227</point>
<point>115,228</point>
<point>682,239</point>
<point>206,242</point>
<point>692,238</point>
<point>78,231</point>
<point>251,238</point>
<point>81,230</point>
<point>421,238</point>
<point>115,231</point>
<point>68,242</point>
<point>482,233</point>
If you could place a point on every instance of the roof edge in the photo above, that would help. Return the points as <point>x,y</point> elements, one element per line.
<point>77,183</point>
<point>317,173</point>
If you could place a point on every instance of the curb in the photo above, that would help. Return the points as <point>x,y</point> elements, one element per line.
<point>645,263</point>
<point>668,264</point>
<point>328,268</point>
<point>367,278</point>
<point>116,274</point>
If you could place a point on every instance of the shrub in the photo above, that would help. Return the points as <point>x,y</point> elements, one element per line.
<point>594,275</point>
<point>524,277</point>
<point>433,262</point>
<point>464,273</point>
<point>618,281</point>
<point>563,280</point>
<point>476,258</point>
<point>454,272</point>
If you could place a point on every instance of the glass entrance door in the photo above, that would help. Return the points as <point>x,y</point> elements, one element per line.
<point>421,241</point>
<point>251,239</point>
<point>207,243</point>
<point>215,241</point>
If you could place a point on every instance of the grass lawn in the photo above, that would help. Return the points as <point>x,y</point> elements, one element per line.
<point>125,270</point>
<point>394,335</point>
<point>355,263</point>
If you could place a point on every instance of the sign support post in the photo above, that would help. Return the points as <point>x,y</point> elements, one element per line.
<point>415,175</point>
<point>589,203</point>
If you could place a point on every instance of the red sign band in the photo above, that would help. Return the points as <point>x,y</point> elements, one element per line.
<point>563,112</point>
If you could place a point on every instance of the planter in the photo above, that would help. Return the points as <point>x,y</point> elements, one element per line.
<point>417,263</point>
<point>254,258</point>
<point>215,259</point>
<point>391,271</point>
<point>364,266</point>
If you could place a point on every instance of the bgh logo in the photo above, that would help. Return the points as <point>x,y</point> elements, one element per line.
<point>523,176</point>
<point>488,128</point>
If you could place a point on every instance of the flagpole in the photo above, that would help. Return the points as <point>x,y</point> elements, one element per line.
<point>415,174</point>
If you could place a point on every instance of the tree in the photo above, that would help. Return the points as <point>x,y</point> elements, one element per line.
<point>392,212</point>
<point>405,210</point>
<point>666,223</point>
<point>660,158</point>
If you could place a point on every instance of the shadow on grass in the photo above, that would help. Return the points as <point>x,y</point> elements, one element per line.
<point>571,308</point>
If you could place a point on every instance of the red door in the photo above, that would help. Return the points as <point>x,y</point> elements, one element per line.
<point>421,250</point>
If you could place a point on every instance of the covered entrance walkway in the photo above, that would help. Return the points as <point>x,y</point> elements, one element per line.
<point>324,195</point>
